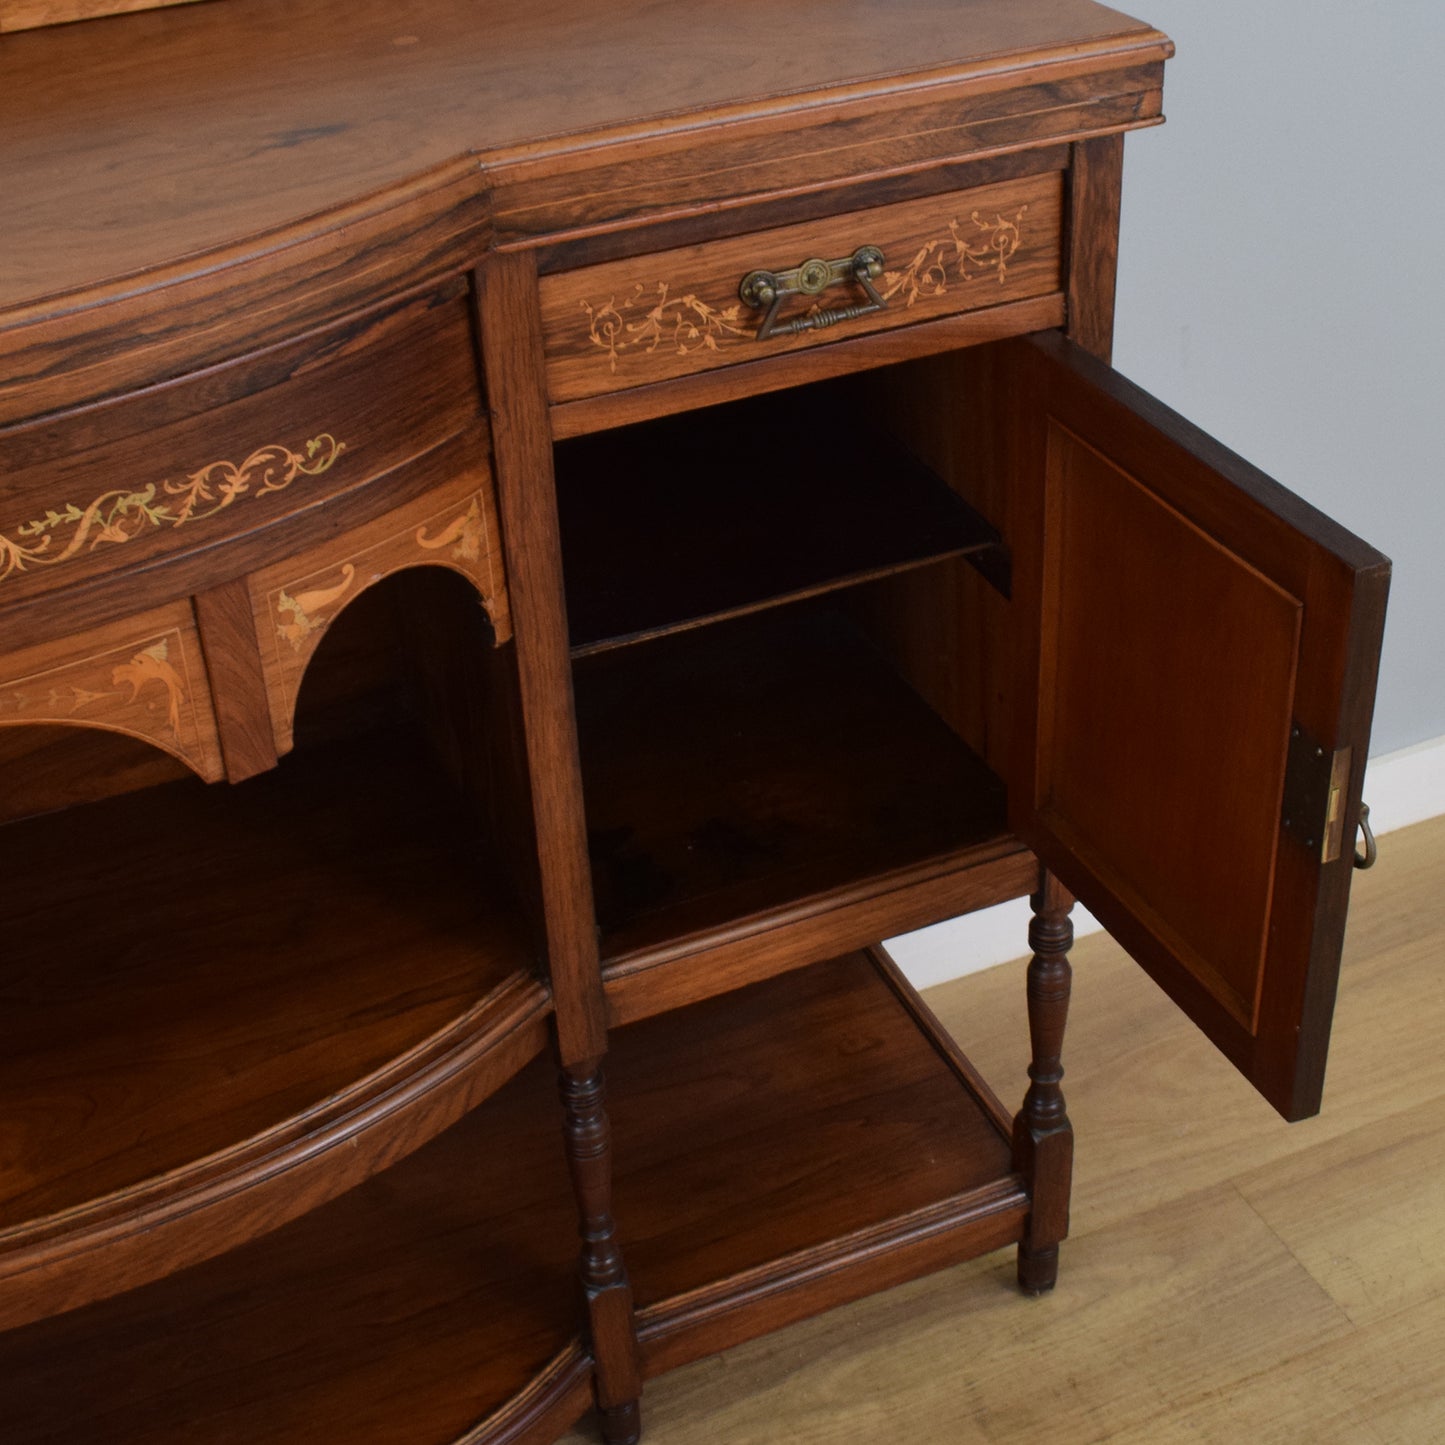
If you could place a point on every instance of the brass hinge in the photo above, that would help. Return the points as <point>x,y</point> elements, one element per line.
<point>1314,795</point>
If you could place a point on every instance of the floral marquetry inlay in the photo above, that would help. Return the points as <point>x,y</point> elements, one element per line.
<point>747,295</point>
<point>122,514</point>
<point>151,666</point>
<point>961,254</point>
<point>465,535</point>
<point>649,317</point>
<point>297,601</point>
<point>63,695</point>
<point>143,687</point>
<point>300,616</point>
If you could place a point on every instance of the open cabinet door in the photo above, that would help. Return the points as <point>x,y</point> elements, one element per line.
<point>1199,650</point>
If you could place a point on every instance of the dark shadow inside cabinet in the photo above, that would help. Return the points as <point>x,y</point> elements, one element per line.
<point>789,626</point>
<point>190,966</point>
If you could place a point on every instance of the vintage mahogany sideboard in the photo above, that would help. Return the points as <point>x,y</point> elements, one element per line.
<point>531,536</point>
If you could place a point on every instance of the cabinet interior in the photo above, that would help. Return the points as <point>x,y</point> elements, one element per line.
<point>698,517</point>
<point>789,632</point>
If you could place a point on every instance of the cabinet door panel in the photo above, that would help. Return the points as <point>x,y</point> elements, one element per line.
<point>1199,650</point>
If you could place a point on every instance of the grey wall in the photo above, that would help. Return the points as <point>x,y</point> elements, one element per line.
<point>1282,278</point>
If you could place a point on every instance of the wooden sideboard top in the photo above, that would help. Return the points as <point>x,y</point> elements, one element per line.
<point>146,140</point>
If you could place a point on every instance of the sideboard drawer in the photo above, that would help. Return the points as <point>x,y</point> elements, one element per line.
<point>674,313</point>
<point>209,457</point>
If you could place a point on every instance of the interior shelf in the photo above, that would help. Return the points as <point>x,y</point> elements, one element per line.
<point>740,768</point>
<point>692,518</point>
<point>210,983</point>
<point>407,1310</point>
<point>773,1139</point>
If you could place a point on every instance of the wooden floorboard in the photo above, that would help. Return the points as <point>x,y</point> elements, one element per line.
<point>1229,1277</point>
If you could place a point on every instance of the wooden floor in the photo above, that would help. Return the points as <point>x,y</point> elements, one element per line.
<point>1253,1282</point>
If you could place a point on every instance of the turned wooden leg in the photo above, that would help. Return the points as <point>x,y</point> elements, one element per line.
<point>1043,1136</point>
<point>605,1288</point>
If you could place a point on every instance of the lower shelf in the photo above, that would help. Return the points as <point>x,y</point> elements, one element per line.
<point>409,1310</point>
<point>801,1142</point>
<point>778,1150</point>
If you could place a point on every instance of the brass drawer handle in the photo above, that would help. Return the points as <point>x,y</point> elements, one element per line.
<point>1372,852</point>
<point>812,278</point>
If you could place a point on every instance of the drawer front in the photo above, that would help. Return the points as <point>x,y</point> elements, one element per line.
<point>675,313</point>
<point>143,676</point>
<point>242,447</point>
<point>296,600</point>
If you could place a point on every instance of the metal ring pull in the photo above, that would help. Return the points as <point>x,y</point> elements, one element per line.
<point>1372,852</point>
<point>771,288</point>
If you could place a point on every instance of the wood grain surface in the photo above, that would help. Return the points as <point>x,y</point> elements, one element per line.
<point>834,507</point>
<point>511,343</point>
<point>31,14</point>
<point>1228,1277</point>
<point>1238,615</point>
<point>1096,178</point>
<point>842,356</point>
<point>227,629</point>
<point>681,970</point>
<point>360,98</point>
<point>233,450</point>
<point>798,1113</point>
<point>136,330</point>
<point>55,765</point>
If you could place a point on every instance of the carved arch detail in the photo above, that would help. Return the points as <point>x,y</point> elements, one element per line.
<point>295,602</point>
<point>142,676</point>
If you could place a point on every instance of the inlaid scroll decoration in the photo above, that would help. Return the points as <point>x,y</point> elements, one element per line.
<point>989,247</point>
<point>61,695</point>
<point>141,689</point>
<point>683,324</point>
<point>121,515</point>
<point>649,318</point>
<point>152,667</point>
<point>464,535</point>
